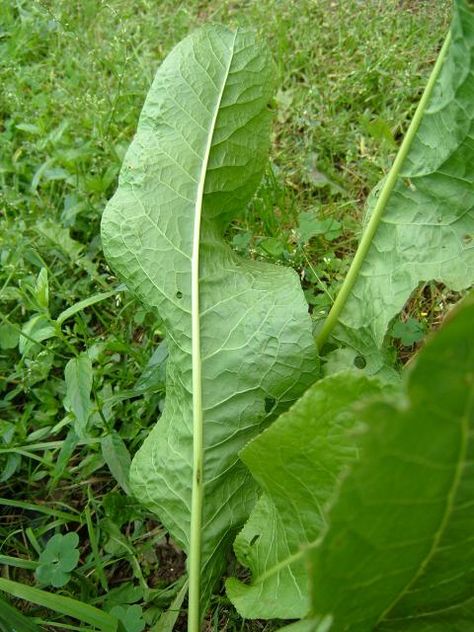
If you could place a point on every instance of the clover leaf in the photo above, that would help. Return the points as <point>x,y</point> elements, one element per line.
<point>130,616</point>
<point>58,559</point>
<point>408,332</point>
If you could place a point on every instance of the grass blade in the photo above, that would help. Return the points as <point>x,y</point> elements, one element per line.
<point>65,605</point>
<point>12,620</point>
<point>68,517</point>
<point>87,302</point>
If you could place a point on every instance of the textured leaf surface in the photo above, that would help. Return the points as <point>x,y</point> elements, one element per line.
<point>398,555</point>
<point>297,462</point>
<point>427,228</point>
<point>202,138</point>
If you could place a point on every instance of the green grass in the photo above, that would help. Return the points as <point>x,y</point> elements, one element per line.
<point>74,75</point>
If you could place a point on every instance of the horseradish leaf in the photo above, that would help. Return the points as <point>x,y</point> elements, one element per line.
<point>398,555</point>
<point>369,530</point>
<point>420,219</point>
<point>297,462</point>
<point>238,331</point>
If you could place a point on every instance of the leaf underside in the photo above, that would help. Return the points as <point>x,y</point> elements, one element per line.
<point>257,350</point>
<point>427,228</point>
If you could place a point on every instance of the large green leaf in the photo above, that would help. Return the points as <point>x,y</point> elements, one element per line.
<point>398,553</point>
<point>389,537</point>
<point>425,231</point>
<point>195,161</point>
<point>297,462</point>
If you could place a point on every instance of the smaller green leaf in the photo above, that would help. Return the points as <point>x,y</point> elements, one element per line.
<point>297,484</point>
<point>36,330</point>
<point>60,238</point>
<point>241,241</point>
<point>272,246</point>
<point>119,508</point>
<point>57,173</point>
<point>7,430</point>
<point>29,127</point>
<point>314,175</point>
<point>118,459</point>
<point>168,619</point>
<point>284,99</point>
<point>126,593</point>
<point>48,575</point>
<point>153,377</point>
<point>11,465</point>
<point>65,453</point>
<point>379,129</point>
<point>78,376</point>
<point>87,302</point>
<point>42,289</point>
<point>130,616</point>
<point>58,559</point>
<point>408,332</point>
<point>310,225</point>
<point>9,336</point>
<point>72,208</point>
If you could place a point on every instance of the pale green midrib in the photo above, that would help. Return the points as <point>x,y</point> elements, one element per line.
<point>194,618</point>
<point>450,501</point>
<point>282,565</point>
<point>302,552</point>
<point>287,561</point>
<point>382,201</point>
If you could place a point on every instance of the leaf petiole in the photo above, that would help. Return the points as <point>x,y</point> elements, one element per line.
<point>379,209</point>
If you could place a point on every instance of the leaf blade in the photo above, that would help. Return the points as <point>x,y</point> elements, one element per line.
<point>421,229</point>
<point>401,536</point>
<point>147,233</point>
<point>117,458</point>
<point>297,483</point>
<point>65,605</point>
<point>78,377</point>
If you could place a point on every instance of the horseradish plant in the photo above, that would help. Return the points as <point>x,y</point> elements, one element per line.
<point>324,537</point>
